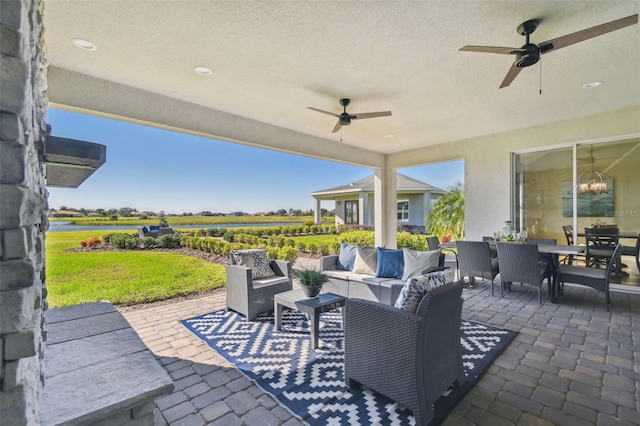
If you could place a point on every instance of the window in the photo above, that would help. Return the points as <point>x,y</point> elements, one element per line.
<point>403,211</point>
<point>351,212</point>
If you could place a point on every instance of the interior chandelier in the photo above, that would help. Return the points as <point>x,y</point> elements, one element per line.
<point>593,181</point>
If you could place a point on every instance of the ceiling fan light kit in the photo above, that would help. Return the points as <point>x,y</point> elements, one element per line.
<point>530,53</point>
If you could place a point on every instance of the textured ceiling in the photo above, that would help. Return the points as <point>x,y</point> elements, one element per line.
<point>272,59</point>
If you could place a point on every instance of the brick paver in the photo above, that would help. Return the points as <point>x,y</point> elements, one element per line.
<point>572,363</point>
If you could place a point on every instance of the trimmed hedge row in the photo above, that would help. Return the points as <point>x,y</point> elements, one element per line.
<point>230,233</point>
<point>133,242</point>
<point>223,248</point>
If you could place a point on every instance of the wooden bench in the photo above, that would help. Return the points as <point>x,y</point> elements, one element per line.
<point>97,369</point>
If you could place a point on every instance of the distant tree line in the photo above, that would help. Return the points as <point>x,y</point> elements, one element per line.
<point>131,211</point>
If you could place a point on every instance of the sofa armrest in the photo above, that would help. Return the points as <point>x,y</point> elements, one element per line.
<point>281,268</point>
<point>329,263</point>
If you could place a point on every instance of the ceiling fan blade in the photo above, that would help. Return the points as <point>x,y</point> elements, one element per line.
<point>370,115</point>
<point>569,39</point>
<point>324,112</point>
<point>511,75</point>
<point>337,127</point>
<point>493,49</point>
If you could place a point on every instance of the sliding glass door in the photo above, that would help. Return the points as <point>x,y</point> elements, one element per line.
<point>604,188</point>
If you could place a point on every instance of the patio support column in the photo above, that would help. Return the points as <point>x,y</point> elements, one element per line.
<point>317,215</point>
<point>385,207</point>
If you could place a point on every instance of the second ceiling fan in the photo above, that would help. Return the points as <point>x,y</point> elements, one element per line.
<point>529,54</point>
<point>345,118</point>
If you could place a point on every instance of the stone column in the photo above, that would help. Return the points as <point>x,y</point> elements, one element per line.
<point>23,204</point>
<point>317,214</point>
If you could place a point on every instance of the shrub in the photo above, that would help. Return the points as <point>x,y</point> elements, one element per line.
<point>169,240</point>
<point>273,252</point>
<point>290,242</point>
<point>149,243</point>
<point>324,249</point>
<point>336,246</point>
<point>364,238</point>
<point>301,246</point>
<point>288,253</point>
<point>229,236</point>
<point>308,223</point>
<point>91,243</point>
<point>313,248</point>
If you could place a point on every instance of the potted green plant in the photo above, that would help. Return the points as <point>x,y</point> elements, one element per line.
<point>311,281</point>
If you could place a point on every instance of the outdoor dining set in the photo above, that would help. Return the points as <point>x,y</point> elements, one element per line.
<point>532,261</point>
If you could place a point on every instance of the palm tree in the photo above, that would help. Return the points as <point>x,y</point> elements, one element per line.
<point>446,217</point>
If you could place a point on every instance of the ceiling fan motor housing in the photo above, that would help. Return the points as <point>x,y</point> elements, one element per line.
<point>344,119</point>
<point>528,58</point>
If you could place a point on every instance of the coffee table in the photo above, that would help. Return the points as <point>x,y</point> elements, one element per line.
<point>312,306</point>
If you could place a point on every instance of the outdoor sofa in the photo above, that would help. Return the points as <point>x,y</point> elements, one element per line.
<point>153,231</point>
<point>374,273</point>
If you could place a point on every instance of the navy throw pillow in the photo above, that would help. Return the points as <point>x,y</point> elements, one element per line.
<point>347,257</point>
<point>390,263</point>
<point>145,229</point>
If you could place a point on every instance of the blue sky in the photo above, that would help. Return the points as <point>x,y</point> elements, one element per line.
<point>153,169</point>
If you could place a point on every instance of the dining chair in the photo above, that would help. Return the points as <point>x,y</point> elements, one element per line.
<point>568,233</point>
<point>601,243</point>
<point>520,263</point>
<point>433,243</point>
<point>597,279</point>
<point>493,251</point>
<point>474,260</point>
<point>632,251</point>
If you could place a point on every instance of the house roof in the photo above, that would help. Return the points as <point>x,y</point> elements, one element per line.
<point>403,184</point>
<point>272,59</point>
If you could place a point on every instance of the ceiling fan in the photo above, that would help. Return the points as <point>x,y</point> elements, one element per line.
<point>345,118</point>
<point>529,54</point>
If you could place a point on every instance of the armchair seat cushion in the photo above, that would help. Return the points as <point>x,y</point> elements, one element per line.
<point>265,282</point>
<point>570,270</point>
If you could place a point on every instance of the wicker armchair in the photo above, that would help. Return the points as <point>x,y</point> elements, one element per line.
<point>251,297</point>
<point>521,263</point>
<point>475,260</point>
<point>410,358</point>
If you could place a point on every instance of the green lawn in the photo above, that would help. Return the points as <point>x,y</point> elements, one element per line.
<point>123,278</point>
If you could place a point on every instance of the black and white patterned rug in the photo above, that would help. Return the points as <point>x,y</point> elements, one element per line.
<point>310,383</point>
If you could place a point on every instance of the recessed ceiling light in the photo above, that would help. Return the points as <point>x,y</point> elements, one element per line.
<point>592,84</point>
<point>203,70</point>
<point>389,136</point>
<point>83,44</point>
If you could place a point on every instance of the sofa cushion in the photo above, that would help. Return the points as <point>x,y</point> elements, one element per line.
<point>256,260</point>
<point>347,257</point>
<point>415,262</point>
<point>416,288</point>
<point>390,263</point>
<point>366,261</point>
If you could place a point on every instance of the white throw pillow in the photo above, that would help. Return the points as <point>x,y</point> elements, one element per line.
<point>417,261</point>
<point>366,261</point>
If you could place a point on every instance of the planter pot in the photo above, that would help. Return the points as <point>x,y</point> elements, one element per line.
<point>311,290</point>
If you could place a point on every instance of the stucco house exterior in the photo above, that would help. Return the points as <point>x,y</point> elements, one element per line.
<point>355,201</point>
<point>520,147</point>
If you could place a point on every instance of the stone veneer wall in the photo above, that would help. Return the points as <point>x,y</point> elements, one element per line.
<point>23,203</point>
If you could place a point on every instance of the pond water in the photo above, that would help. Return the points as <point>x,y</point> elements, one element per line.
<point>63,226</point>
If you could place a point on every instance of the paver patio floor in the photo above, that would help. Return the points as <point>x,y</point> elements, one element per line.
<point>572,363</point>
